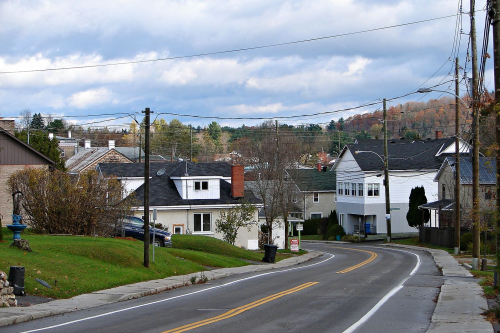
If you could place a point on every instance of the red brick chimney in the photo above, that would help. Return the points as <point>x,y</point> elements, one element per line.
<point>319,166</point>
<point>439,134</point>
<point>237,181</point>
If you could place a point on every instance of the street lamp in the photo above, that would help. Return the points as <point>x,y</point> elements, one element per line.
<point>385,160</point>
<point>457,164</point>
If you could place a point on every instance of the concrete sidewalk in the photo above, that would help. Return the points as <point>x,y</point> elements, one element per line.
<point>9,316</point>
<point>461,301</point>
<point>458,309</point>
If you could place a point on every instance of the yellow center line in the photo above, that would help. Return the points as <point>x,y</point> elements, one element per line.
<point>238,310</point>
<point>372,257</point>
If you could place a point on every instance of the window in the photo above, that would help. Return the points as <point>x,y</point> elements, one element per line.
<point>315,197</point>
<point>316,215</point>
<point>201,185</point>
<point>202,222</point>
<point>341,219</point>
<point>353,189</point>
<point>341,188</point>
<point>487,194</point>
<point>360,189</point>
<point>443,192</point>
<point>373,190</point>
<point>347,189</point>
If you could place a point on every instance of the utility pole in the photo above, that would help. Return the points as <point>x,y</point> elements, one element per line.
<point>475,144</point>
<point>495,18</point>
<point>457,162</point>
<point>386,177</point>
<point>146,188</point>
<point>190,143</point>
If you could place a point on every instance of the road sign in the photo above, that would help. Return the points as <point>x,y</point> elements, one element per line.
<point>294,245</point>
<point>300,227</point>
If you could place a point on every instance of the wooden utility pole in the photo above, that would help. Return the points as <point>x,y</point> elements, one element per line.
<point>146,188</point>
<point>386,178</point>
<point>457,162</point>
<point>495,18</point>
<point>475,144</point>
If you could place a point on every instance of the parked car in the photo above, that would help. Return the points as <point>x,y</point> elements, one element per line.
<point>132,226</point>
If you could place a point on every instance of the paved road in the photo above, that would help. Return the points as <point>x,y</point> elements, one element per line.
<point>336,292</point>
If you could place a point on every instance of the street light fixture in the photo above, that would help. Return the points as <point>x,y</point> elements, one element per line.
<point>428,90</point>
<point>384,160</point>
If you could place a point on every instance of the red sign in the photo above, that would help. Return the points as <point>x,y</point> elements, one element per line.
<point>294,245</point>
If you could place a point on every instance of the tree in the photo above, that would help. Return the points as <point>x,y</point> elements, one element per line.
<point>40,141</point>
<point>56,126</point>
<point>57,203</point>
<point>376,131</point>
<point>414,215</point>
<point>232,220</point>
<point>215,132</point>
<point>332,126</point>
<point>37,122</point>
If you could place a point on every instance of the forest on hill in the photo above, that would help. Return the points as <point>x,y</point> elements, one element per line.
<point>174,140</point>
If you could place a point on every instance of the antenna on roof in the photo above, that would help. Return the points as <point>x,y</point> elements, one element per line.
<point>161,172</point>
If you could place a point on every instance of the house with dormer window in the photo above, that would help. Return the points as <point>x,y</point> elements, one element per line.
<point>189,197</point>
<point>360,181</point>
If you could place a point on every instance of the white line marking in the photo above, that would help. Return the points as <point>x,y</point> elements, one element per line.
<point>387,296</point>
<point>176,297</point>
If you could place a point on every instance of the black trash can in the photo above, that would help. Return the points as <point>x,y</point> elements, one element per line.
<point>16,279</point>
<point>269,253</point>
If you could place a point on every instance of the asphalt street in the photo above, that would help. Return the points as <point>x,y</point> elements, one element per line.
<point>349,288</point>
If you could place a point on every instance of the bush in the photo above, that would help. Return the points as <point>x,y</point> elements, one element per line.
<point>350,238</point>
<point>334,231</point>
<point>311,227</point>
<point>465,239</point>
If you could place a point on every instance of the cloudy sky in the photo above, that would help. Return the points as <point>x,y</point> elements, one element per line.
<point>374,50</point>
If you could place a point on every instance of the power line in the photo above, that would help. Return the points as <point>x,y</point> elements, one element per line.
<point>228,51</point>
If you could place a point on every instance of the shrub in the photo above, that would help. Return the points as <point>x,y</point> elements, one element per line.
<point>311,227</point>
<point>335,230</point>
<point>465,239</point>
<point>350,238</point>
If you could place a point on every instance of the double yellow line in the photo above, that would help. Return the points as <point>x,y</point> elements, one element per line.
<point>241,309</point>
<point>373,256</point>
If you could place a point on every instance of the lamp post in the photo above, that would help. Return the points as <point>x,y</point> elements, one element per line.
<point>457,151</point>
<point>384,160</point>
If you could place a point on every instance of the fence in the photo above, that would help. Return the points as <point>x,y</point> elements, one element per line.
<point>439,237</point>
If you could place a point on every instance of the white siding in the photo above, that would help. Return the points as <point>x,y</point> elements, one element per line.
<point>186,187</point>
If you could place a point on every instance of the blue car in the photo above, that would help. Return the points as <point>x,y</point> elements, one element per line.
<point>134,227</point>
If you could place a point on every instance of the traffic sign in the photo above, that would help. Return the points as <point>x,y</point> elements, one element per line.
<point>300,227</point>
<point>294,245</point>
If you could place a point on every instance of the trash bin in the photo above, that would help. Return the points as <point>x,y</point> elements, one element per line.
<point>367,228</point>
<point>337,238</point>
<point>269,253</point>
<point>16,279</point>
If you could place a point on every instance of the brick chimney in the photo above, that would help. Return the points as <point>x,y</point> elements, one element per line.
<point>439,134</point>
<point>319,166</point>
<point>237,181</point>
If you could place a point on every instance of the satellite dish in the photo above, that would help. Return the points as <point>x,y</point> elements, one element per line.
<point>161,172</point>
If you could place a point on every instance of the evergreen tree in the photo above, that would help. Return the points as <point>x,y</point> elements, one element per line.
<point>37,122</point>
<point>414,215</point>
<point>50,148</point>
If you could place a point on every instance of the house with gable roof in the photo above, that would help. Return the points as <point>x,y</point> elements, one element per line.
<point>189,197</point>
<point>87,159</point>
<point>15,155</point>
<point>444,208</point>
<point>360,179</point>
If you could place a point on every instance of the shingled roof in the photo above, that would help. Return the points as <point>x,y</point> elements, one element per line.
<point>403,154</point>
<point>164,189</point>
<point>487,170</point>
<point>312,180</point>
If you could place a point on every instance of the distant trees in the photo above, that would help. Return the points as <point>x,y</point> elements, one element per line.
<point>415,216</point>
<point>57,203</point>
<point>41,142</point>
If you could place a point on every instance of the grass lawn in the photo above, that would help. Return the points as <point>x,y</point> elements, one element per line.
<point>75,265</point>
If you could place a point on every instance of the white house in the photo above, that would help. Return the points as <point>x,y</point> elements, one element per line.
<point>360,179</point>
<point>189,197</point>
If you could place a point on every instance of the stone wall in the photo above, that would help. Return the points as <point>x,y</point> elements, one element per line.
<point>7,297</point>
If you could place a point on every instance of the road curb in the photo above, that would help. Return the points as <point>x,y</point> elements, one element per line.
<point>14,315</point>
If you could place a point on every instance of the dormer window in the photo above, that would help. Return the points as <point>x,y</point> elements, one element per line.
<point>201,185</point>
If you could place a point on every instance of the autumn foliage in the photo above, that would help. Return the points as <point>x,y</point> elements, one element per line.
<point>55,202</point>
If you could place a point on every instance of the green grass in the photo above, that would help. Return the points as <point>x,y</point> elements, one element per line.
<point>75,265</point>
<point>414,242</point>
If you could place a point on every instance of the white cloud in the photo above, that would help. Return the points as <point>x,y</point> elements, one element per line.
<point>92,97</point>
